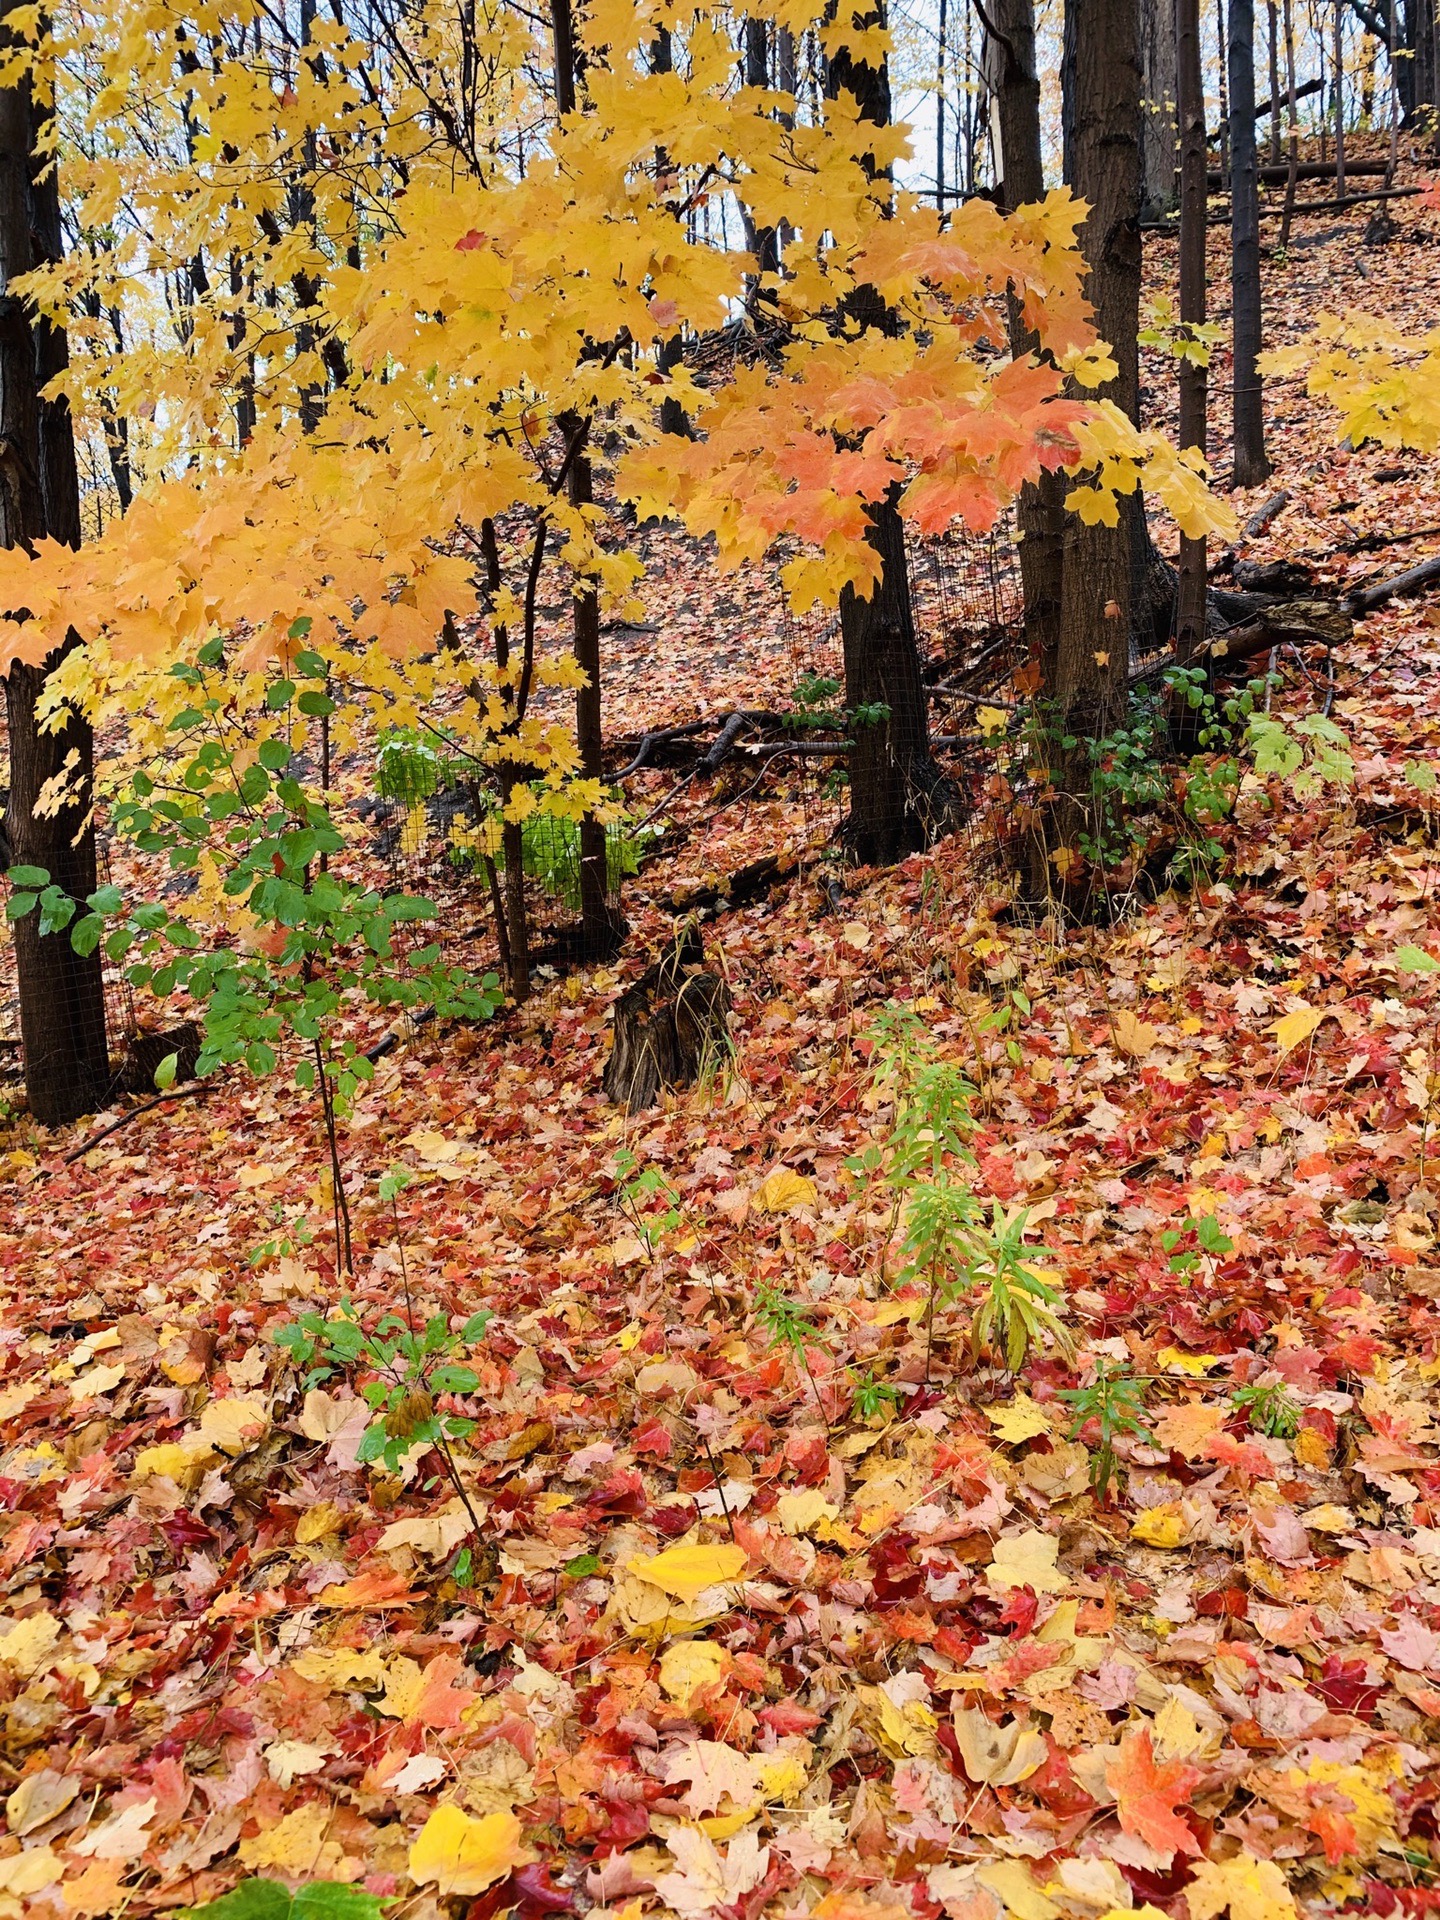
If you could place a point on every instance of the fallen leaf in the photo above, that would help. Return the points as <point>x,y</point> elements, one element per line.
<point>686,1572</point>
<point>464,1856</point>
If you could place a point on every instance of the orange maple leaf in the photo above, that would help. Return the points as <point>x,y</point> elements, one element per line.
<point>1147,1794</point>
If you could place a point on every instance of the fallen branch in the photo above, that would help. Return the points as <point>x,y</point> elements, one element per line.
<point>661,736</point>
<point>724,745</point>
<point>1363,600</point>
<point>187,1092</point>
<point>1262,516</point>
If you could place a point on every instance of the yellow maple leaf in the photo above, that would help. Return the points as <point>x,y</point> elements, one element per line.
<point>1297,1025</point>
<point>1027,1560</point>
<point>463,1855</point>
<point>1251,1889</point>
<point>235,1425</point>
<point>1163,1526</point>
<point>991,719</point>
<point>1185,1429</point>
<point>688,1665</point>
<point>1019,1419</point>
<point>26,1644</point>
<point>1133,1035</point>
<point>686,1572</point>
<point>782,1190</point>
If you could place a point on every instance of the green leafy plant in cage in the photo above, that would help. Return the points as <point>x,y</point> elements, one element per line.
<point>550,852</point>
<point>410,769</point>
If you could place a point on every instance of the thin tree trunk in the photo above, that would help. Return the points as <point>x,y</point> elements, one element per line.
<point>899,798</point>
<point>1190,597</point>
<point>1101,75</point>
<point>1160,148</point>
<point>1274,20</point>
<point>1339,99</point>
<point>1224,129</point>
<point>62,1002</point>
<point>1251,465</point>
<point>1294,128</point>
<point>1011,76</point>
<point>598,927</point>
<point>940,109</point>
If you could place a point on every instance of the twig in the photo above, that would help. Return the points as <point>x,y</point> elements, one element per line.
<point>194,1087</point>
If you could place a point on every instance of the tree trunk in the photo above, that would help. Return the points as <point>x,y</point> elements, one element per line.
<point>1251,464</point>
<point>1190,599</point>
<point>599,927</point>
<point>1014,84</point>
<point>1160,138</point>
<point>899,798</point>
<point>1101,79</point>
<point>62,1003</point>
<point>1293,122</point>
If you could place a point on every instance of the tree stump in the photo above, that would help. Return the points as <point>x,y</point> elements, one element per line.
<point>144,1053</point>
<point>667,1027</point>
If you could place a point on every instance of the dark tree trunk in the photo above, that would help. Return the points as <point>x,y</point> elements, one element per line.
<point>62,1004</point>
<point>1251,465</point>
<point>1159,132</point>
<point>899,798</point>
<point>1014,84</point>
<point>600,928</point>
<point>1190,598</point>
<point>1101,77</point>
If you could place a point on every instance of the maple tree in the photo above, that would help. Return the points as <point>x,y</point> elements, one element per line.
<point>973,1452</point>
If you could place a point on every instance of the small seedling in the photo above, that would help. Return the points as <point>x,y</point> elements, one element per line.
<point>874,1398</point>
<point>407,1370</point>
<point>790,1325</point>
<point>1114,1399</point>
<point>1271,1409</point>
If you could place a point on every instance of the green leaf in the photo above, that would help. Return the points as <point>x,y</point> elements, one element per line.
<point>1416,960</point>
<point>300,628</point>
<point>19,904</point>
<point>280,694</point>
<point>317,705</point>
<point>583,1566</point>
<point>274,754</point>
<point>28,877</point>
<point>166,1071</point>
<point>104,900</point>
<point>86,932</point>
<point>268,1900</point>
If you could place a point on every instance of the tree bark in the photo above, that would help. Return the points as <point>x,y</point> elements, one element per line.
<point>1102,88</point>
<point>1190,598</point>
<point>899,798</point>
<point>62,1003</point>
<point>1014,84</point>
<point>1160,137</point>
<point>1251,465</point>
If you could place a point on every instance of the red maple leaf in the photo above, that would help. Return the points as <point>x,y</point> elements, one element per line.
<point>1148,1791</point>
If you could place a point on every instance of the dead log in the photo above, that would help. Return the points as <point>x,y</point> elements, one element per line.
<point>1363,600</point>
<point>1281,577</point>
<point>1262,516</point>
<point>1297,623</point>
<point>668,1027</point>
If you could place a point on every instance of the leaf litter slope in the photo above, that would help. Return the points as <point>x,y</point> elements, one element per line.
<point>727,1641</point>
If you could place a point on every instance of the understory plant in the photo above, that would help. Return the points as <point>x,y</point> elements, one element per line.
<point>1114,1399</point>
<point>951,1242</point>
<point>271,944</point>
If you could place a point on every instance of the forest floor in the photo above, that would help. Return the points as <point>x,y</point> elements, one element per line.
<point>913,1663</point>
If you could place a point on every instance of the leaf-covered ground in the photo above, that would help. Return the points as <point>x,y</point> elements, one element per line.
<point>912,1665</point>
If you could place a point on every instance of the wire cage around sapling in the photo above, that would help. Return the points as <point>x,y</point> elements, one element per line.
<point>442,833</point>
